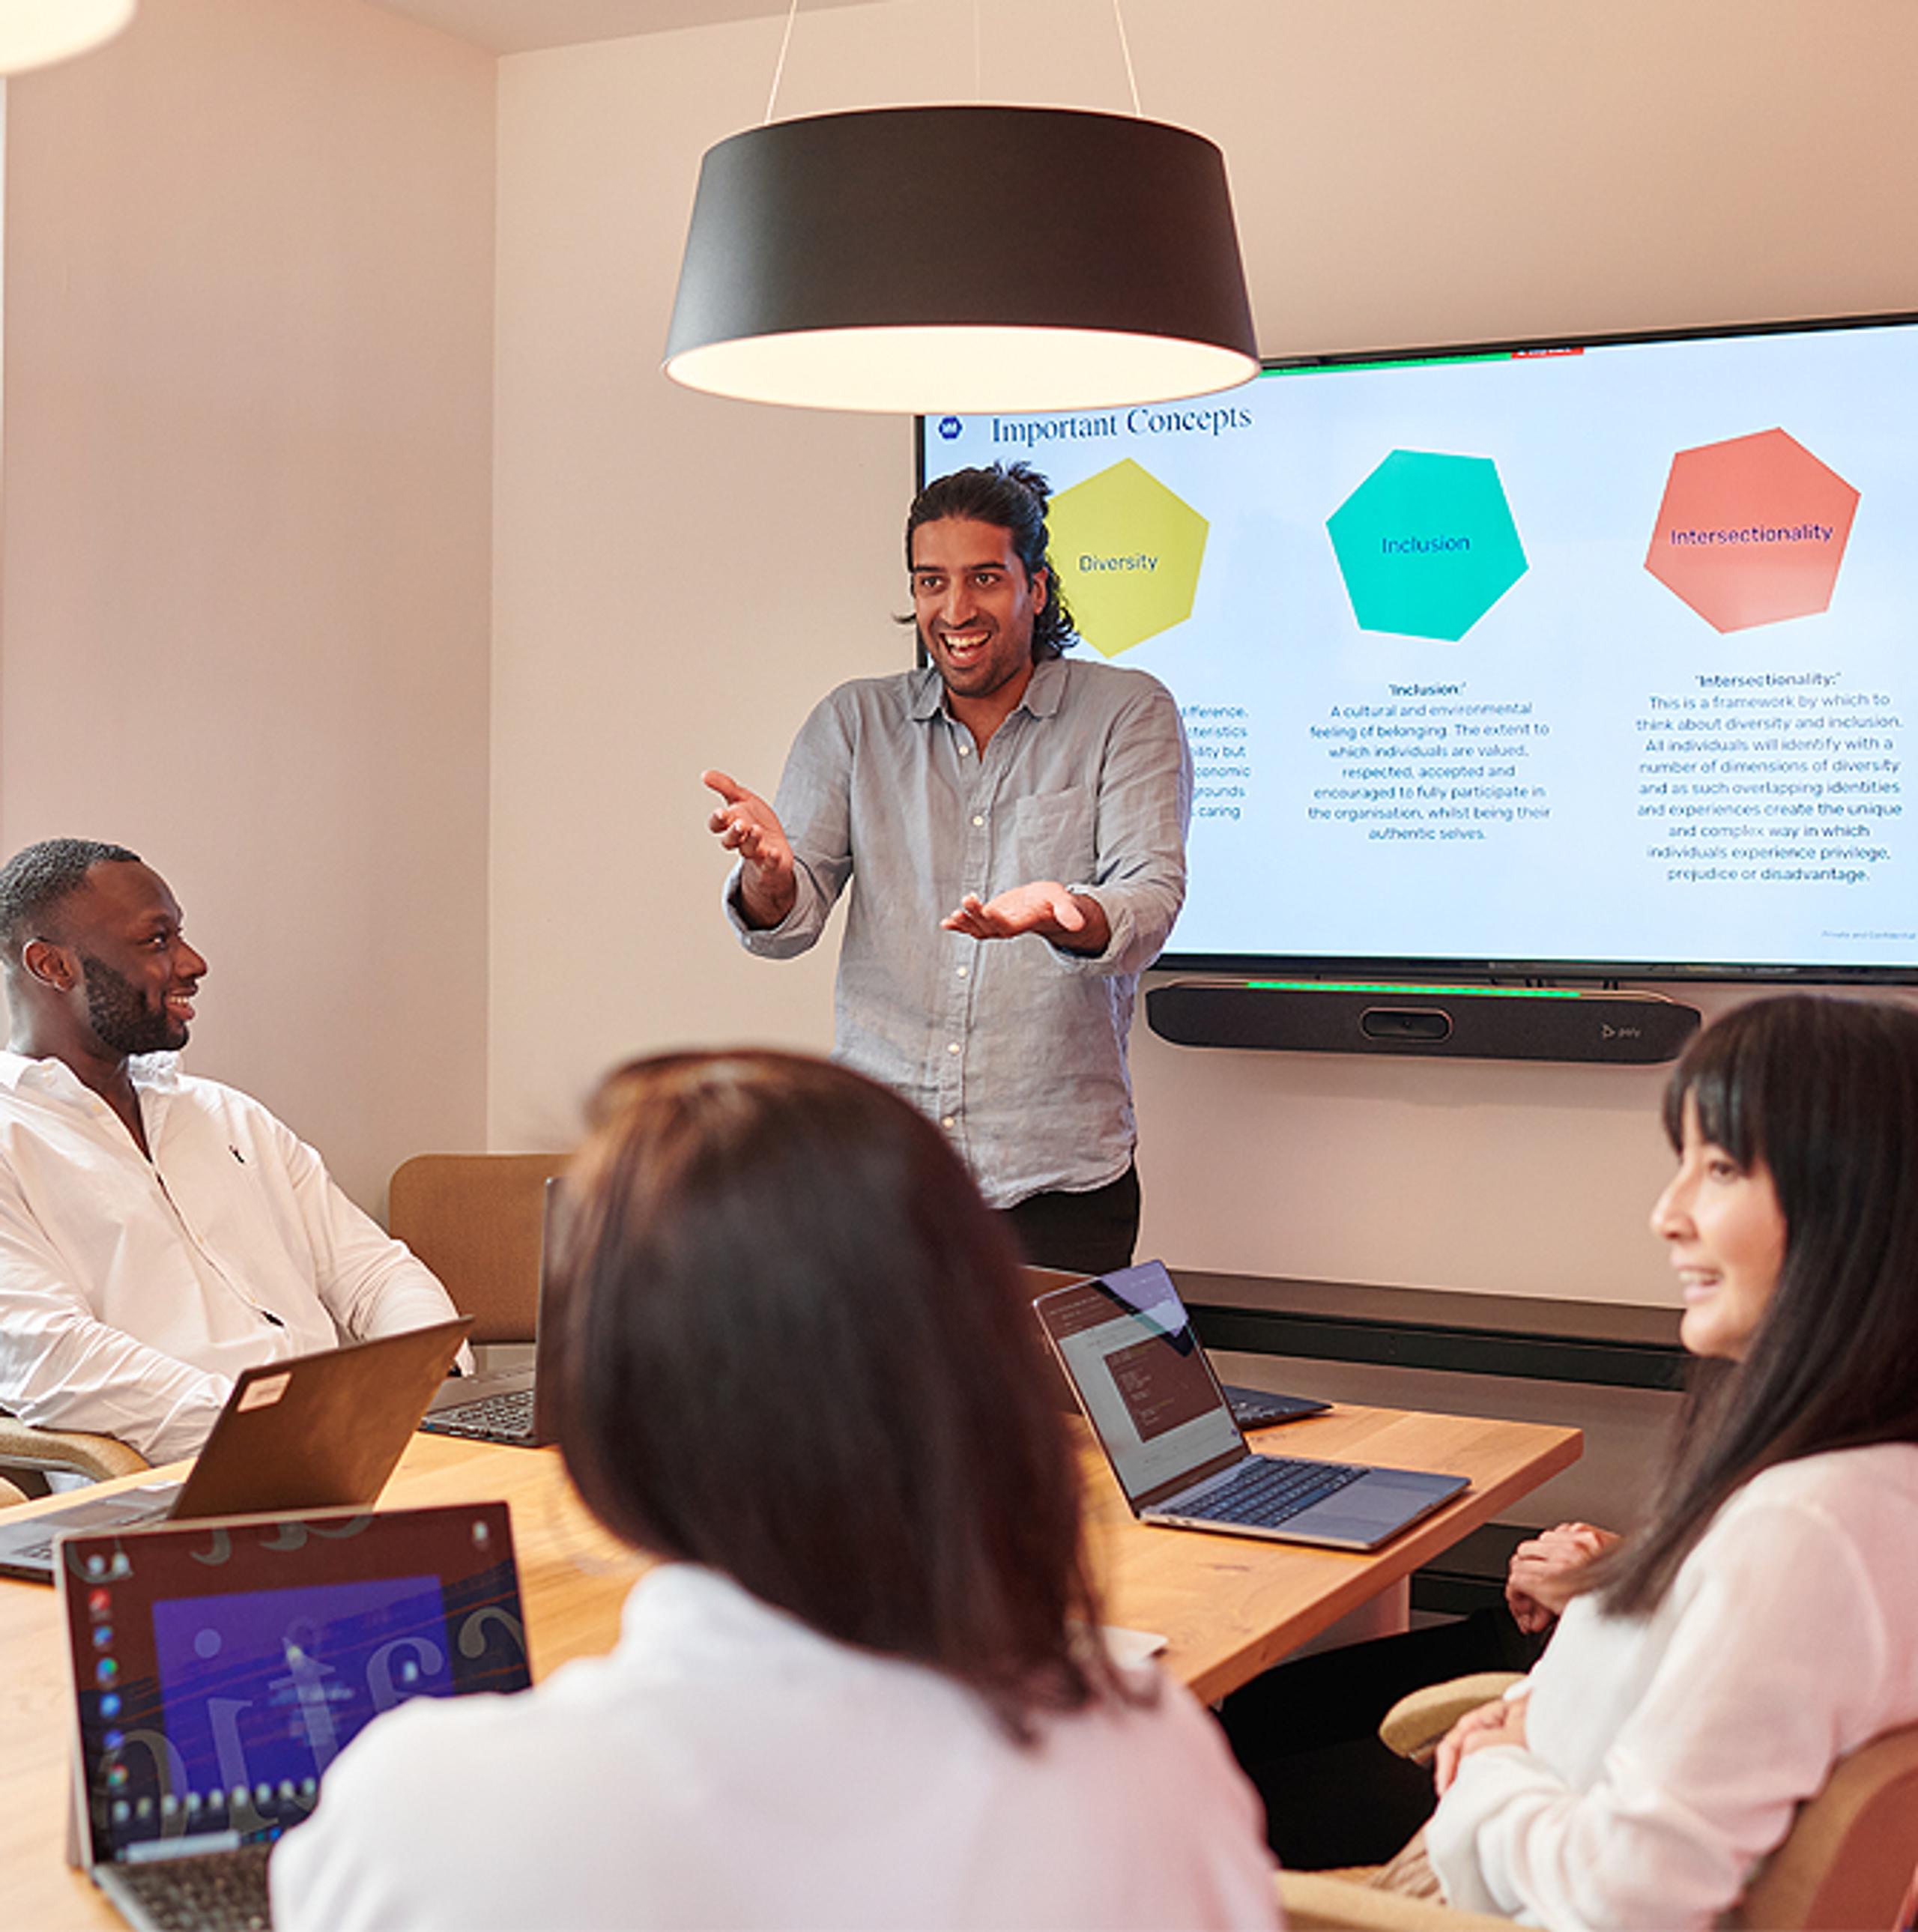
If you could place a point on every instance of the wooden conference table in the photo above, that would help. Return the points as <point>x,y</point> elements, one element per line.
<point>1228,1606</point>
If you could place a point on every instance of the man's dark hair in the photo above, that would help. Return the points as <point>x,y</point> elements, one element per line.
<point>35,881</point>
<point>1011,496</point>
<point>798,1347</point>
<point>1824,1092</point>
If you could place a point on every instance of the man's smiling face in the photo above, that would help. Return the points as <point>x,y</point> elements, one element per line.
<point>139,973</point>
<point>975,605</point>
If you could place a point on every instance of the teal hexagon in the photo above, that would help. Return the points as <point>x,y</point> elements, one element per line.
<point>1426,545</point>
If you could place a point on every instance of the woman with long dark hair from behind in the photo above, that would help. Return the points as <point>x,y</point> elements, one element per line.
<point>860,1686</point>
<point>1710,1671</point>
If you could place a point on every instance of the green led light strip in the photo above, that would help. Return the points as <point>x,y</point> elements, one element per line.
<point>1371,986</point>
<point>1391,362</point>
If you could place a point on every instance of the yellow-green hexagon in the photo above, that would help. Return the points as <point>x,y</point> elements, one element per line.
<point>1127,551</point>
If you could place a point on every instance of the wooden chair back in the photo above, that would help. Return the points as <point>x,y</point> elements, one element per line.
<point>66,1452</point>
<point>476,1220</point>
<point>1846,1860</point>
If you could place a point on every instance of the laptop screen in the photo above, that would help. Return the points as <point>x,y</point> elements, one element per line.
<point>1148,1390</point>
<point>222,1666</point>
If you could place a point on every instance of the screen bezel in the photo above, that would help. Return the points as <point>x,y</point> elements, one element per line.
<point>1413,969</point>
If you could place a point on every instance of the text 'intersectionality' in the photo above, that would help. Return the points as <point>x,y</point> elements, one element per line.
<point>1757,533</point>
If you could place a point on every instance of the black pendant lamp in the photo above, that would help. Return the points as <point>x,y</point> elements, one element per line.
<point>975,259</point>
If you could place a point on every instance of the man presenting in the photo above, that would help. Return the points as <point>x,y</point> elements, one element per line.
<point>157,1233</point>
<point>1015,825</point>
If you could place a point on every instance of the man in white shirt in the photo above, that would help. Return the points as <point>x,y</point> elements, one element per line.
<point>158,1233</point>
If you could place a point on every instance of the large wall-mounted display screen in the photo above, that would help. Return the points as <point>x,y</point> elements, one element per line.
<point>1556,658</point>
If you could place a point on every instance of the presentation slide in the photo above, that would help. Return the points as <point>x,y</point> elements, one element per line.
<point>1578,655</point>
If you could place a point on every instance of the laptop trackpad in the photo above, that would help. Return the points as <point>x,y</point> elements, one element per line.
<point>1380,1504</point>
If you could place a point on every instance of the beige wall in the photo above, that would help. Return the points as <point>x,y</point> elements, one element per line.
<point>677,579</point>
<point>251,298</point>
<point>249,259</point>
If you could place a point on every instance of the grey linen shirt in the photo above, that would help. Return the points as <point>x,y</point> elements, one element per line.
<point>1015,1046</point>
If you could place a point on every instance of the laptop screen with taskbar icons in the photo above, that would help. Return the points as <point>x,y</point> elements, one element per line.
<point>221,1665</point>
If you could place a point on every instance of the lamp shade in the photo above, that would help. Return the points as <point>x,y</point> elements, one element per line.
<point>976,260</point>
<point>36,33</point>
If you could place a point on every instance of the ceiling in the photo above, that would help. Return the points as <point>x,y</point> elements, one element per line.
<point>518,26</point>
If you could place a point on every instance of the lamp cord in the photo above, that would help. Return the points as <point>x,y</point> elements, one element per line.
<point>1119,21</point>
<point>1125,48</point>
<point>780,66</point>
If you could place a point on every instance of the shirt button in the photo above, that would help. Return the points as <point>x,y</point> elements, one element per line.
<point>949,1121</point>
<point>965,751</point>
<point>977,820</point>
<point>962,972</point>
<point>953,1047</point>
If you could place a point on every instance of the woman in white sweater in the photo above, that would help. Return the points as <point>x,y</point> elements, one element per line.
<point>861,1688</point>
<point>1709,1671</point>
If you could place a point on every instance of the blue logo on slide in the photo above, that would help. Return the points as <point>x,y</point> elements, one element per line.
<point>949,427</point>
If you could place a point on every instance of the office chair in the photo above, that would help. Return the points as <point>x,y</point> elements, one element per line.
<point>66,1451</point>
<point>1845,1863</point>
<point>476,1220</point>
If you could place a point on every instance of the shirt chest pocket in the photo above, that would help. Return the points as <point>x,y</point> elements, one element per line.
<point>1052,837</point>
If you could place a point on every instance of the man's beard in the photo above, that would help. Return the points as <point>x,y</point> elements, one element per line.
<point>122,1020</point>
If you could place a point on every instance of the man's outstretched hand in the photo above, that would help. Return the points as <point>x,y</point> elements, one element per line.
<point>746,824</point>
<point>1045,907</point>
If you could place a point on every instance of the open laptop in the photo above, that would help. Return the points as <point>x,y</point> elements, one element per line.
<point>507,1406</point>
<point>1251,1407</point>
<point>1126,1344</point>
<point>219,1667</point>
<point>321,1431</point>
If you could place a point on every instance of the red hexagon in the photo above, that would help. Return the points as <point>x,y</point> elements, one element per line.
<point>1751,531</point>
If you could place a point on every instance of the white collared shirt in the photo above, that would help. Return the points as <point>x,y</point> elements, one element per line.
<point>727,1766</point>
<point>133,1291</point>
<point>1665,1755</point>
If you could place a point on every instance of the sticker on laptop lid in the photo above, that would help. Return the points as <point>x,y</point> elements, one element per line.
<point>264,1392</point>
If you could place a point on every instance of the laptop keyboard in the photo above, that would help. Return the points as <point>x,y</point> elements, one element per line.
<point>495,1418</point>
<point>224,1892</point>
<point>1273,1489</point>
<point>122,1512</point>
